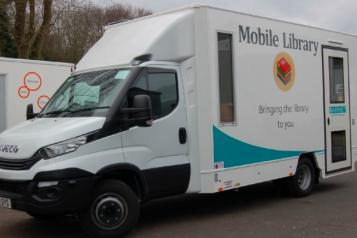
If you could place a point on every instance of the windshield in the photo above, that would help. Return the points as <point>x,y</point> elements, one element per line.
<point>87,95</point>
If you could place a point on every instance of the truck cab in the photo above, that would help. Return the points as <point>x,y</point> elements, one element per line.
<point>94,134</point>
<point>115,134</point>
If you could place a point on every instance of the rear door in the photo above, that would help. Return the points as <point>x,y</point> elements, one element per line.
<point>337,110</point>
<point>2,103</point>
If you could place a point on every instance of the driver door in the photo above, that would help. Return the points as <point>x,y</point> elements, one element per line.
<point>161,150</point>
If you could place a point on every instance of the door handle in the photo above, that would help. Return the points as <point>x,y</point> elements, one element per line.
<point>328,121</point>
<point>182,135</point>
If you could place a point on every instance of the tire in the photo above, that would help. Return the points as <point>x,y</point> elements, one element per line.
<point>303,182</point>
<point>113,211</point>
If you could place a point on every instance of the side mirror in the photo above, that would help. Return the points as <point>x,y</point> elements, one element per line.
<point>29,112</point>
<point>140,114</point>
<point>143,115</point>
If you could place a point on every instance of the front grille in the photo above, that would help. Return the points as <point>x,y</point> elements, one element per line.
<point>16,164</point>
<point>13,187</point>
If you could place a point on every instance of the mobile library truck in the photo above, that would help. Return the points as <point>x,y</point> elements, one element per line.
<point>27,81</point>
<point>195,100</point>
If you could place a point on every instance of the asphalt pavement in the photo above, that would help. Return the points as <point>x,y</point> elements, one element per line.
<point>255,211</point>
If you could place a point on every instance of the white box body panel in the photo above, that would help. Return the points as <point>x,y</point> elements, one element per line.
<point>254,149</point>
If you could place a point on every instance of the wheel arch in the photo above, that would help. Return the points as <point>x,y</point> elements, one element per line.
<point>128,174</point>
<point>311,156</point>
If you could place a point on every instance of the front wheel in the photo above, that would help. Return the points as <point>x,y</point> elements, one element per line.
<point>302,183</point>
<point>114,210</point>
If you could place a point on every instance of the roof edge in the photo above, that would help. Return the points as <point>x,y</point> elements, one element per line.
<point>28,61</point>
<point>197,5</point>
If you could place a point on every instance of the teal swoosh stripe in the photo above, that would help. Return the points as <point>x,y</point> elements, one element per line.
<point>234,152</point>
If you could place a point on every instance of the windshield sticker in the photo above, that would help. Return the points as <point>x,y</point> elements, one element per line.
<point>83,94</point>
<point>122,74</point>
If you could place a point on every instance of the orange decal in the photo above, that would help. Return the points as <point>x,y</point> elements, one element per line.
<point>33,81</point>
<point>23,92</point>
<point>42,101</point>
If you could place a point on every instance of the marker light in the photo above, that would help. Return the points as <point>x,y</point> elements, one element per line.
<point>47,184</point>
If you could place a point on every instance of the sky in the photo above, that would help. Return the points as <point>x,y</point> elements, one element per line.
<point>339,15</point>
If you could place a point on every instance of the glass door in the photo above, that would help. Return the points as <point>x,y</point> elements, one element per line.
<point>337,110</point>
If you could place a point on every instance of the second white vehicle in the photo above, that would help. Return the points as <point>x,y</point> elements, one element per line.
<point>25,81</point>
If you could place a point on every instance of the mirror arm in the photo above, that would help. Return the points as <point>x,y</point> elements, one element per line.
<point>33,115</point>
<point>132,110</point>
<point>133,120</point>
<point>29,112</point>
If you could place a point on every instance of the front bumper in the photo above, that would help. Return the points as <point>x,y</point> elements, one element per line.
<point>54,192</point>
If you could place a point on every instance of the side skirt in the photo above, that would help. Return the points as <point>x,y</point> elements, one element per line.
<point>167,181</point>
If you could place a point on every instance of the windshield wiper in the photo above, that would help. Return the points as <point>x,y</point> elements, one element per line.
<point>88,109</point>
<point>53,113</point>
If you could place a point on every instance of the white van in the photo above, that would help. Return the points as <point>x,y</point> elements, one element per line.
<point>195,100</point>
<point>27,81</point>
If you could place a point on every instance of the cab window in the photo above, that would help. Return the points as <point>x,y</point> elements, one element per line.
<point>161,87</point>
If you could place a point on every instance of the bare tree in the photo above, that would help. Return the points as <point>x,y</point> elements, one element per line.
<point>60,30</point>
<point>42,31</point>
<point>80,24</point>
<point>7,42</point>
<point>20,20</point>
<point>29,40</point>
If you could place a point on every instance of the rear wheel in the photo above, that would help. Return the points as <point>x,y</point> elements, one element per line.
<point>114,210</point>
<point>302,183</point>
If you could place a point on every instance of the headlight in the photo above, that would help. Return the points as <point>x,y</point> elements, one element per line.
<point>63,147</point>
